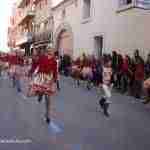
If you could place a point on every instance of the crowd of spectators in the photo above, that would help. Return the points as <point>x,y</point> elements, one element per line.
<point>129,72</point>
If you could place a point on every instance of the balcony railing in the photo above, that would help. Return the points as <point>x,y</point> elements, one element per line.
<point>22,3</point>
<point>27,13</point>
<point>43,37</point>
<point>24,38</point>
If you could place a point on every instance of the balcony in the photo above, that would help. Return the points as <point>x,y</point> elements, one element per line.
<point>23,38</point>
<point>22,3</point>
<point>27,13</point>
<point>43,37</point>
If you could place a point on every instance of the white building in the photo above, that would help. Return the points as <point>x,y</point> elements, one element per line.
<point>96,26</point>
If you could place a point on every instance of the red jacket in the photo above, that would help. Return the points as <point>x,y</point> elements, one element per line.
<point>125,65</point>
<point>46,65</point>
<point>139,72</point>
<point>13,60</point>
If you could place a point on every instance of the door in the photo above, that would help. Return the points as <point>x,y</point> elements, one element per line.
<point>65,43</point>
<point>98,42</point>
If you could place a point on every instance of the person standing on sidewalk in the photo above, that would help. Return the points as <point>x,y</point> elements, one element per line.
<point>12,67</point>
<point>125,69</point>
<point>138,74</point>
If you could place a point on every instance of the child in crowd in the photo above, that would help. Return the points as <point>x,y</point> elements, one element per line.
<point>106,86</point>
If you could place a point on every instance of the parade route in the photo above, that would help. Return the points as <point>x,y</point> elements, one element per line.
<point>77,123</point>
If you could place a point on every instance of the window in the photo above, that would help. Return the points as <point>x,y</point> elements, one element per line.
<point>46,3</point>
<point>98,43</point>
<point>33,7</point>
<point>46,25</point>
<point>125,2</point>
<point>86,9</point>
<point>76,3</point>
<point>42,25</point>
<point>40,5</point>
<point>63,13</point>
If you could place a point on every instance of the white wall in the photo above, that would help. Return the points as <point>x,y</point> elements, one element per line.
<point>124,31</point>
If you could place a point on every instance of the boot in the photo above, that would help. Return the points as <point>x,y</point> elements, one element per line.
<point>101,102</point>
<point>40,97</point>
<point>48,120</point>
<point>106,106</point>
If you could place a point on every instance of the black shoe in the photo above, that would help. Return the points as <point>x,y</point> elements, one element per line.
<point>106,114</point>
<point>48,120</point>
<point>88,87</point>
<point>102,102</point>
<point>19,90</point>
<point>40,98</point>
<point>106,106</point>
<point>137,96</point>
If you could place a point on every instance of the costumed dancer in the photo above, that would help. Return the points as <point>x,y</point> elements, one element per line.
<point>16,62</point>
<point>58,69</point>
<point>44,80</point>
<point>106,86</point>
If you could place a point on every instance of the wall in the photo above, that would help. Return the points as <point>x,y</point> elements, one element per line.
<point>124,31</point>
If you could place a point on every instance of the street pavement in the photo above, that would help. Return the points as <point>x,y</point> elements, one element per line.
<point>77,122</point>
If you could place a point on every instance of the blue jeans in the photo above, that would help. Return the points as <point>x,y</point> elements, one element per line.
<point>16,83</point>
<point>47,104</point>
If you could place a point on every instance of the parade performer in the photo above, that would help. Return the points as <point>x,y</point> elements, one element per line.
<point>44,80</point>
<point>106,86</point>
<point>15,61</point>
<point>58,68</point>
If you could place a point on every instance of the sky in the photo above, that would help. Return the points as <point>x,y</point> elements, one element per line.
<point>5,12</point>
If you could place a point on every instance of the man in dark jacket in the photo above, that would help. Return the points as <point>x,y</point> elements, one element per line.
<point>138,74</point>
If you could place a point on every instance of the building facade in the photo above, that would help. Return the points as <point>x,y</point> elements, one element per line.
<point>25,24</point>
<point>12,29</point>
<point>43,24</point>
<point>100,26</point>
<point>77,26</point>
<point>33,24</point>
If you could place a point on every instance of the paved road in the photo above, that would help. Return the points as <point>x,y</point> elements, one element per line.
<point>77,124</point>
